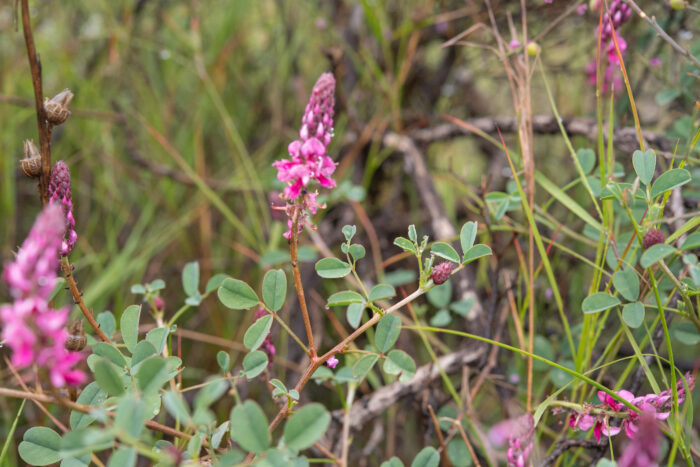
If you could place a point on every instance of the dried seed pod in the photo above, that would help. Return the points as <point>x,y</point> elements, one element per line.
<point>31,164</point>
<point>56,108</point>
<point>77,340</point>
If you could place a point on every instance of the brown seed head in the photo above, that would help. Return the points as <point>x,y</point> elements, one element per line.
<point>56,108</point>
<point>31,164</point>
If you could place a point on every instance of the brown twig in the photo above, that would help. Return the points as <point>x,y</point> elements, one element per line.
<point>78,298</point>
<point>84,409</point>
<point>445,459</point>
<point>44,131</point>
<point>293,251</point>
<point>625,138</point>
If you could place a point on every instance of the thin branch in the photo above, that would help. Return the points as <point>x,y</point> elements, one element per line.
<point>652,21</point>
<point>84,409</point>
<point>44,132</point>
<point>78,298</point>
<point>293,251</point>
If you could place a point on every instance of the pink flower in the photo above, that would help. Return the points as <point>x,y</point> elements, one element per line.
<point>645,448</point>
<point>59,192</point>
<point>656,61</point>
<point>519,432</point>
<point>308,160</point>
<point>514,44</point>
<point>659,405</point>
<point>581,9</point>
<point>612,52</point>
<point>332,362</point>
<point>34,331</point>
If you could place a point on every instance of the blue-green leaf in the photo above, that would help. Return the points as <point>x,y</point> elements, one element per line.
<point>237,295</point>
<point>332,268</point>
<point>190,278</point>
<point>274,289</point>
<point>257,332</point>
<point>306,426</point>
<point>388,330</point>
<point>655,253</point>
<point>381,292</point>
<point>670,180</point>
<point>445,250</point>
<point>249,427</point>
<point>598,302</point>
<point>644,164</point>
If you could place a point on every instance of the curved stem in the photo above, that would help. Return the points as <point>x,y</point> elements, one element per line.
<point>290,332</point>
<point>78,298</point>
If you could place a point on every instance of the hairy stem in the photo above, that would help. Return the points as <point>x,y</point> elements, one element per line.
<point>78,298</point>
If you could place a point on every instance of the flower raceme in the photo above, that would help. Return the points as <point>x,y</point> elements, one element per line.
<point>30,327</point>
<point>659,405</point>
<point>308,160</point>
<point>59,193</point>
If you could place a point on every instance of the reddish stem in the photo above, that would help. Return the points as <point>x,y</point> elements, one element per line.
<point>44,131</point>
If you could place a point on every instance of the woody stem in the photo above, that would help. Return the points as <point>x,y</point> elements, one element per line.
<point>293,251</point>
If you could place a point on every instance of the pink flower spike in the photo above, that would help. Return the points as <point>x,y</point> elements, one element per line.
<point>35,332</point>
<point>59,193</point>
<point>332,362</point>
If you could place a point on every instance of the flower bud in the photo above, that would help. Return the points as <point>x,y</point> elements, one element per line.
<point>533,49</point>
<point>31,164</point>
<point>56,109</point>
<point>441,273</point>
<point>677,4</point>
<point>59,193</point>
<point>653,237</point>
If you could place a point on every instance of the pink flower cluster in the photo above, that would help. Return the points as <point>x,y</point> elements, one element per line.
<point>34,331</point>
<point>659,405</point>
<point>519,433</point>
<point>308,157</point>
<point>308,154</point>
<point>59,193</point>
<point>618,13</point>
<point>645,447</point>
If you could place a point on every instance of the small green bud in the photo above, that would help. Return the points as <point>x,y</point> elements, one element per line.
<point>533,49</point>
<point>677,4</point>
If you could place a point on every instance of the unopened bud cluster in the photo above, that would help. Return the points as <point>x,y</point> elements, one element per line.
<point>618,13</point>
<point>441,272</point>
<point>59,193</point>
<point>653,237</point>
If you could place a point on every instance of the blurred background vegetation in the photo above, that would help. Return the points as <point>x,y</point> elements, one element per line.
<point>182,106</point>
